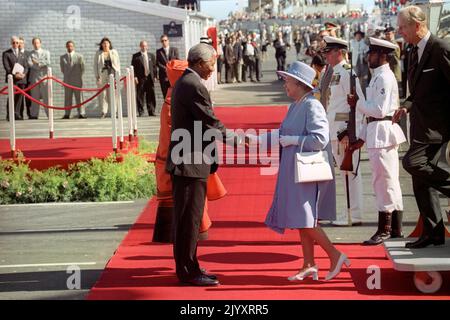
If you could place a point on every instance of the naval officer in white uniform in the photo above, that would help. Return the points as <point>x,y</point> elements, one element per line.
<point>382,138</point>
<point>338,108</point>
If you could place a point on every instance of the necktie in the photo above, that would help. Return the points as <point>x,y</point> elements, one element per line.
<point>146,66</point>
<point>413,62</point>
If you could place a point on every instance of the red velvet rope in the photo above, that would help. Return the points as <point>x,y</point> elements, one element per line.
<point>4,90</point>
<point>62,108</point>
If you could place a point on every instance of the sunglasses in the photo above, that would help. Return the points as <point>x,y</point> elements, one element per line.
<point>164,40</point>
<point>15,42</point>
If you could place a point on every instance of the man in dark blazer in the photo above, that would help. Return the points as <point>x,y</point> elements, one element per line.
<point>428,106</point>
<point>280,46</point>
<point>10,58</point>
<point>144,64</point>
<point>25,83</point>
<point>192,160</point>
<point>164,55</point>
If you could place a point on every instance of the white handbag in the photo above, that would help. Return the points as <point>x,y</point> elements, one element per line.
<point>312,166</point>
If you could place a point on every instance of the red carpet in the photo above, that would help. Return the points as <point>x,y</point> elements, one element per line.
<point>256,117</point>
<point>45,153</point>
<point>252,261</point>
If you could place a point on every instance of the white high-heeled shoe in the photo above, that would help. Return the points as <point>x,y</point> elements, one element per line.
<point>304,273</point>
<point>343,259</point>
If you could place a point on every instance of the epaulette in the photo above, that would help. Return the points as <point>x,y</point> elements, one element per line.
<point>347,66</point>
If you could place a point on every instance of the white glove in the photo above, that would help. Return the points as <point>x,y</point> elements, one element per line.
<point>289,141</point>
<point>253,138</point>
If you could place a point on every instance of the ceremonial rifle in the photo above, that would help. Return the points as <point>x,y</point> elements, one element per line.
<point>347,162</point>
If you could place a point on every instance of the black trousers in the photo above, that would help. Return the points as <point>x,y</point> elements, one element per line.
<point>249,66</point>
<point>145,95</point>
<point>165,85</point>
<point>27,103</point>
<point>258,69</point>
<point>18,103</point>
<point>189,203</point>
<point>281,62</point>
<point>421,162</point>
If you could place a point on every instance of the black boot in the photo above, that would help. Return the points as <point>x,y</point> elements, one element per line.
<point>396,224</point>
<point>383,231</point>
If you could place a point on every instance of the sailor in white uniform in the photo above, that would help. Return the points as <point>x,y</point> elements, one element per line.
<point>337,114</point>
<point>382,138</point>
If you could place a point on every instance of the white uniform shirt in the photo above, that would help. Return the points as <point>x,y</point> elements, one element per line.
<point>340,88</point>
<point>382,100</point>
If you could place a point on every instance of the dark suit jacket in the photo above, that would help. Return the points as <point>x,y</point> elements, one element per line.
<point>280,49</point>
<point>229,55</point>
<point>162,59</point>
<point>429,100</point>
<point>191,102</point>
<point>9,60</point>
<point>138,63</point>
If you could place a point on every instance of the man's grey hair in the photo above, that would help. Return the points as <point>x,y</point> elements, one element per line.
<point>413,14</point>
<point>14,38</point>
<point>200,52</point>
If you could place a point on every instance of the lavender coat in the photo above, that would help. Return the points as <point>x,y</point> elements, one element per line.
<point>300,205</point>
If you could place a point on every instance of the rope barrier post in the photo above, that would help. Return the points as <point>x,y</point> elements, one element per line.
<point>133,102</point>
<point>12,115</point>
<point>129,112</point>
<point>119,110</point>
<point>50,103</point>
<point>112,102</point>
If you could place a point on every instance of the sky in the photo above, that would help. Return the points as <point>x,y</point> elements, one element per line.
<point>219,9</point>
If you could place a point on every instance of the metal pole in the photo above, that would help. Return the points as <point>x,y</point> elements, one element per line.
<point>112,102</point>
<point>133,102</point>
<point>119,110</point>
<point>50,103</point>
<point>12,115</point>
<point>349,214</point>
<point>129,112</point>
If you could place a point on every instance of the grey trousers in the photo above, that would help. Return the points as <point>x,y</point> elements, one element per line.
<point>40,92</point>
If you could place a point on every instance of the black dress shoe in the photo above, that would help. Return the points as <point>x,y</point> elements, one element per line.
<point>202,281</point>
<point>425,241</point>
<point>82,116</point>
<point>209,275</point>
<point>18,118</point>
<point>32,118</point>
<point>65,117</point>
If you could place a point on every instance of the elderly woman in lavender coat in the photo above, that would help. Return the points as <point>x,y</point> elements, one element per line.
<point>301,205</point>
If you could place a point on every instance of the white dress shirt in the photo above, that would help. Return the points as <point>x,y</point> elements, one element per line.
<point>382,100</point>
<point>422,44</point>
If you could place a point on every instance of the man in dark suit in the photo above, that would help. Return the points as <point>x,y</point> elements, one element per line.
<point>428,106</point>
<point>10,58</point>
<point>144,64</point>
<point>280,46</point>
<point>25,83</point>
<point>192,160</point>
<point>164,55</point>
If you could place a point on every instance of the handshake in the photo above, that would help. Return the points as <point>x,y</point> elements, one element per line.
<point>284,140</point>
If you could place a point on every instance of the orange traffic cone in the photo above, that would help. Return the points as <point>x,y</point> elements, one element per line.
<point>215,189</point>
